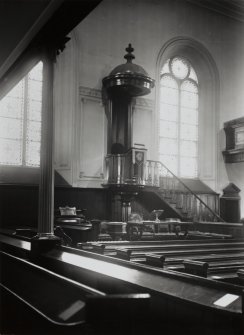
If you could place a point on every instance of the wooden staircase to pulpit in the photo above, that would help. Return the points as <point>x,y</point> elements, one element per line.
<point>187,200</point>
<point>191,200</point>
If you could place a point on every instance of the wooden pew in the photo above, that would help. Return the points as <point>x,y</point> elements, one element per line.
<point>160,260</point>
<point>109,248</point>
<point>15,246</point>
<point>179,259</point>
<point>222,262</point>
<point>50,303</point>
<point>177,298</point>
<point>222,256</point>
<point>141,256</point>
<point>206,235</point>
<point>156,281</point>
<point>219,266</point>
<point>55,301</point>
<point>205,269</point>
<point>173,250</point>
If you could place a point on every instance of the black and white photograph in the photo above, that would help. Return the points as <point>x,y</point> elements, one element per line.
<point>121,167</point>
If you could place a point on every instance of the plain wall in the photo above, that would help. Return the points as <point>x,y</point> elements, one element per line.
<point>97,46</point>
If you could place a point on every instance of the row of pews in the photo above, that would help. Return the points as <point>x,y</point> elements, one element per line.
<point>220,259</point>
<point>123,287</point>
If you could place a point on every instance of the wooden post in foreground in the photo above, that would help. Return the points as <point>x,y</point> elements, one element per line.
<point>45,238</point>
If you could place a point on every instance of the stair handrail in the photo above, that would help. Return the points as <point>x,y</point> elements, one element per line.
<point>192,192</point>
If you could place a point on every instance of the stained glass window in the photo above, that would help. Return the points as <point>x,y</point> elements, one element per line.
<point>178,117</point>
<point>20,121</point>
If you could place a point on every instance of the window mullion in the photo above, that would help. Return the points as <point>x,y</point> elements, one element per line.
<point>179,130</point>
<point>24,140</point>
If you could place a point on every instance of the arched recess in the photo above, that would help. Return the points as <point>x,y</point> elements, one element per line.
<point>207,73</point>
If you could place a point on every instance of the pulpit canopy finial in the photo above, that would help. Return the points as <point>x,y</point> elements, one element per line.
<point>129,56</point>
<point>128,78</point>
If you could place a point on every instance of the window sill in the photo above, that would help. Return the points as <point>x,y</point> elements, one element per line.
<point>19,175</point>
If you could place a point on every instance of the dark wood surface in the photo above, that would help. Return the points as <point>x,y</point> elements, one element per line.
<point>218,259</point>
<point>54,304</point>
<point>19,203</point>
<point>177,299</point>
<point>104,246</point>
<point>53,299</point>
<point>152,279</point>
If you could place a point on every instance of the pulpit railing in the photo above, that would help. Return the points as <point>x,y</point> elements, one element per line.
<point>123,170</point>
<point>115,169</point>
<point>192,206</point>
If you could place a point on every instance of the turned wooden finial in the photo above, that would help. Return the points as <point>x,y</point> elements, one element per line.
<point>129,56</point>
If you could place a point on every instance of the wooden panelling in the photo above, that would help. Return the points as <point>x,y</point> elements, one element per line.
<point>95,201</point>
<point>18,206</point>
<point>19,203</point>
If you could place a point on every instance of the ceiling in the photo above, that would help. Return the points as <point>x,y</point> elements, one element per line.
<point>24,22</point>
<point>19,22</point>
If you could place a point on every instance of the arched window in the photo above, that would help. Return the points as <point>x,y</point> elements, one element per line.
<point>20,121</point>
<point>178,130</point>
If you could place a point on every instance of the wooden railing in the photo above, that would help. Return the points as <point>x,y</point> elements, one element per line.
<point>197,207</point>
<point>191,206</point>
<point>115,168</point>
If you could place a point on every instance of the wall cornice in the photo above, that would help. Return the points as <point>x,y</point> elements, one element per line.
<point>90,92</point>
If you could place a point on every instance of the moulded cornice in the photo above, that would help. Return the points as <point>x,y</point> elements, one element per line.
<point>90,92</point>
<point>146,103</point>
<point>230,8</point>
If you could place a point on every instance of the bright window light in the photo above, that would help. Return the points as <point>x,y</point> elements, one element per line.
<point>178,117</point>
<point>20,121</point>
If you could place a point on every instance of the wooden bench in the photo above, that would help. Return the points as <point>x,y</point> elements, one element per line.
<point>53,303</point>
<point>56,300</point>
<point>176,297</point>
<point>109,248</point>
<point>204,269</point>
<point>221,259</point>
<point>173,250</point>
<point>179,259</point>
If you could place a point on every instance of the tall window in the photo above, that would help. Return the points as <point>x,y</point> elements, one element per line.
<point>178,134</point>
<point>20,121</point>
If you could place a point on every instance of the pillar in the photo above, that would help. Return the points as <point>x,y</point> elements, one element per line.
<point>45,238</point>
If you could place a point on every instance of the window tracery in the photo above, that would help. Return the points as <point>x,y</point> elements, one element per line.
<point>178,117</point>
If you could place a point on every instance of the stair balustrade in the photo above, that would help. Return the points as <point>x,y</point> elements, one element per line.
<point>121,170</point>
<point>188,204</point>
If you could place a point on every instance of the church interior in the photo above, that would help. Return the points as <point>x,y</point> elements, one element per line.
<point>122,167</point>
